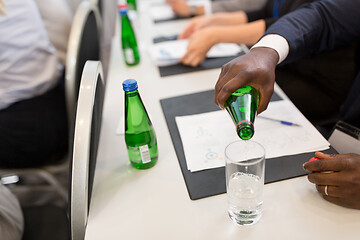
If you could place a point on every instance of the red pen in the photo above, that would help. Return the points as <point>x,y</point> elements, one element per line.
<point>313,159</point>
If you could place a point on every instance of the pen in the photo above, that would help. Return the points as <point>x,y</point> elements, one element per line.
<point>281,121</point>
<point>167,38</point>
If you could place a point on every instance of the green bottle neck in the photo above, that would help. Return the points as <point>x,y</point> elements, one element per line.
<point>136,117</point>
<point>125,20</point>
<point>132,93</point>
<point>242,107</point>
<point>245,130</point>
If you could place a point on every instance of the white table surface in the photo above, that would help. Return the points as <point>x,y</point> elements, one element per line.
<point>154,204</point>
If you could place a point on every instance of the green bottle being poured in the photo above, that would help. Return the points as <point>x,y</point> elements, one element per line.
<point>128,39</point>
<point>242,106</point>
<point>140,136</point>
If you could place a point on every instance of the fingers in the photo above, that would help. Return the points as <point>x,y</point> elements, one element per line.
<point>328,163</point>
<point>232,77</point>
<point>342,185</point>
<point>324,178</point>
<point>265,95</point>
<point>195,24</point>
<point>229,83</point>
<point>198,46</point>
<point>329,190</point>
<point>188,31</point>
<point>227,74</point>
<point>257,68</point>
<point>191,59</point>
<point>345,202</point>
<point>339,196</point>
<point>325,156</point>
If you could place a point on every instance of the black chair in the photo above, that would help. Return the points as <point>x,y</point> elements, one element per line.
<point>351,106</point>
<point>99,4</point>
<point>350,110</point>
<point>345,138</point>
<point>83,45</point>
<point>55,223</point>
<point>86,140</point>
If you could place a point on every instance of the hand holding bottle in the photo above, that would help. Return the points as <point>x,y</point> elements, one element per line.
<point>199,45</point>
<point>257,68</point>
<point>242,107</point>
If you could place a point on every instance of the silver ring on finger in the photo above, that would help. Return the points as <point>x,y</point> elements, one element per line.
<point>326,190</point>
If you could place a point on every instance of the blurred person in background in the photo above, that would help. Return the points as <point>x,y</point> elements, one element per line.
<point>184,9</point>
<point>33,121</point>
<point>108,14</point>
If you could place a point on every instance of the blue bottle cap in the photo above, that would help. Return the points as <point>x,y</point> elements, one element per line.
<point>130,85</point>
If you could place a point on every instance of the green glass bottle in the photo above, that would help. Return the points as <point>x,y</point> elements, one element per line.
<point>242,106</point>
<point>128,39</point>
<point>140,136</point>
<point>132,4</point>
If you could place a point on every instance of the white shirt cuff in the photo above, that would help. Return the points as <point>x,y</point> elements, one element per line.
<point>276,42</point>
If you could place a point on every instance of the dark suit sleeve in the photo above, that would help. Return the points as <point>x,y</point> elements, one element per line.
<point>266,12</point>
<point>319,26</point>
<point>263,13</point>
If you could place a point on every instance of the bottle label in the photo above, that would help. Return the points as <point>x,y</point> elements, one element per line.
<point>129,54</point>
<point>145,154</point>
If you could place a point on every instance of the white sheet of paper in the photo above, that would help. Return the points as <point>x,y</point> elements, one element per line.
<point>205,136</point>
<point>163,11</point>
<point>169,52</point>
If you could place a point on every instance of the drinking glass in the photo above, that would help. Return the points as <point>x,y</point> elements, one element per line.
<point>245,167</point>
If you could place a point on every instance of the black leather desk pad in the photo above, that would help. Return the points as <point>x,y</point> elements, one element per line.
<point>211,182</point>
<point>209,63</point>
<point>176,17</point>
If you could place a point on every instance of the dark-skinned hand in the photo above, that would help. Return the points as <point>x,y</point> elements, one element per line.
<point>257,68</point>
<point>342,176</point>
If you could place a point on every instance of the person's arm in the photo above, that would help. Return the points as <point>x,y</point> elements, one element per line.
<point>319,26</point>
<point>310,29</point>
<point>257,68</point>
<point>2,7</point>
<point>316,27</point>
<point>218,19</point>
<point>236,5</point>
<point>267,12</point>
<point>182,8</point>
<point>201,42</point>
<point>247,34</point>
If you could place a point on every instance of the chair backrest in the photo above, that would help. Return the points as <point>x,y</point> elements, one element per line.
<point>99,4</point>
<point>345,138</point>
<point>85,145</point>
<point>83,45</point>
